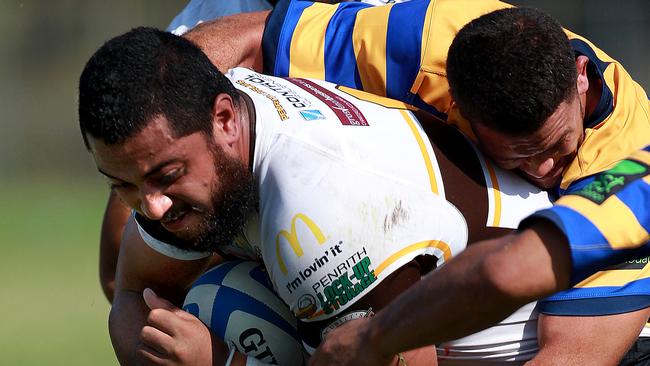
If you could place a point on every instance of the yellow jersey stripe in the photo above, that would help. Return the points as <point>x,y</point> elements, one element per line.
<point>613,218</point>
<point>423,151</point>
<point>369,43</point>
<point>442,246</point>
<point>307,50</point>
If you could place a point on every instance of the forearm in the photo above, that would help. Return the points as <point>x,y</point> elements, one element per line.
<point>116,216</point>
<point>127,318</point>
<point>475,290</point>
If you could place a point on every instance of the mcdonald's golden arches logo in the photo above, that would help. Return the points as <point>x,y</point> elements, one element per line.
<point>292,237</point>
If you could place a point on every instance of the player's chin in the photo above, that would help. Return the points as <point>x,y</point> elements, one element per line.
<point>548,181</point>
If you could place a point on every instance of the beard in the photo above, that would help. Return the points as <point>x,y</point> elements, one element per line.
<point>233,200</point>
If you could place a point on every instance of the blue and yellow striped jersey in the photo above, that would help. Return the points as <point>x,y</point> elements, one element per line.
<point>400,51</point>
<point>606,220</point>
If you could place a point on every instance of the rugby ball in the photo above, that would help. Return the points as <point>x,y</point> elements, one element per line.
<point>236,301</point>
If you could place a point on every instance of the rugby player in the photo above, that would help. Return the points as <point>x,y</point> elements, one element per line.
<point>317,181</point>
<point>420,79</point>
<point>594,116</point>
<point>554,248</point>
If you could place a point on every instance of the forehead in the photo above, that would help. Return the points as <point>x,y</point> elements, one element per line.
<point>148,148</point>
<point>562,122</point>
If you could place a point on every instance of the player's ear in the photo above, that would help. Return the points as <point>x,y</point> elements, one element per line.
<point>582,81</point>
<point>224,119</point>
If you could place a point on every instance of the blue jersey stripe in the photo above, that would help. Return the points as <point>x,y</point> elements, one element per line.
<point>340,60</point>
<point>636,196</point>
<point>594,306</point>
<point>292,16</point>
<point>403,47</point>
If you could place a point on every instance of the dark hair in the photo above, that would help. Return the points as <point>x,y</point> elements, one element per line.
<point>145,73</point>
<point>510,69</point>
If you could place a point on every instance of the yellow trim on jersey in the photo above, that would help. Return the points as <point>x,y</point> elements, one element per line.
<point>619,277</point>
<point>497,194</point>
<point>369,43</point>
<point>308,39</point>
<point>438,244</point>
<point>376,99</point>
<point>613,218</point>
<point>423,150</point>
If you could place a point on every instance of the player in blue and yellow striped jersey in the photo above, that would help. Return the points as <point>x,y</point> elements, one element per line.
<point>555,248</point>
<point>401,51</point>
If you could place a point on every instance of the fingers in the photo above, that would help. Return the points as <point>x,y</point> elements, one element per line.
<point>158,340</point>
<point>155,302</point>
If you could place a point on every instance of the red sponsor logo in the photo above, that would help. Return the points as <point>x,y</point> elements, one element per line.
<point>347,112</point>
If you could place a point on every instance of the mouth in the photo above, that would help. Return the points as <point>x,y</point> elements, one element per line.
<point>175,221</point>
<point>178,219</point>
<point>552,178</point>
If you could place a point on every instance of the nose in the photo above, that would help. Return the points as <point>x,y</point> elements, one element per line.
<point>538,168</point>
<point>154,204</point>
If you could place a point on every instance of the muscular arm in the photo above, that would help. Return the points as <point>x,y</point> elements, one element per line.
<point>585,335</point>
<point>115,218</point>
<point>234,40</point>
<point>140,267</point>
<point>471,292</point>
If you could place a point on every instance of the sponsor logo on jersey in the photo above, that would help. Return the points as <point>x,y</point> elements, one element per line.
<point>291,236</point>
<point>280,90</point>
<point>282,113</point>
<point>335,282</point>
<point>347,286</point>
<point>609,182</point>
<point>632,264</point>
<point>346,112</point>
<point>312,115</point>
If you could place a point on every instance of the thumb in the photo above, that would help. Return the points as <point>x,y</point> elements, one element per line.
<point>154,301</point>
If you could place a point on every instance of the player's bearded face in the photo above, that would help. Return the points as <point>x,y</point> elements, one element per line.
<point>232,199</point>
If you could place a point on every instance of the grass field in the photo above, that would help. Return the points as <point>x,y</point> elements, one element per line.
<point>54,310</point>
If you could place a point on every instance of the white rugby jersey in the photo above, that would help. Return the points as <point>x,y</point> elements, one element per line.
<point>350,191</point>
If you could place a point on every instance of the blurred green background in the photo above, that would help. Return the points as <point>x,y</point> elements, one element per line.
<point>51,196</point>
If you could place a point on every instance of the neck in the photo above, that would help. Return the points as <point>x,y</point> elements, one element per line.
<point>247,122</point>
<point>234,40</point>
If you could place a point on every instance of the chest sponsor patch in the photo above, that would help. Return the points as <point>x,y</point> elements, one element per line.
<point>346,112</point>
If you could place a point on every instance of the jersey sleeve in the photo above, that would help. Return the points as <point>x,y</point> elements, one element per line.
<point>160,241</point>
<point>375,49</point>
<point>607,223</point>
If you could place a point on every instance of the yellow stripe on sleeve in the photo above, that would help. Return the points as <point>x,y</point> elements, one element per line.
<point>369,43</point>
<point>613,218</point>
<point>307,51</point>
<point>442,246</point>
<point>423,151</point>
<point>497,194</point>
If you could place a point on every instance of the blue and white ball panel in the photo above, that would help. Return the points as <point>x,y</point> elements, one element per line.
<point>237,302</point>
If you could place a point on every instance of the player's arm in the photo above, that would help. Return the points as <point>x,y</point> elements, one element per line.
<point>584,334</point>
<point>115,218</point>
<point>471,292</point>
<point>230,41</point>
<point>156,331</point>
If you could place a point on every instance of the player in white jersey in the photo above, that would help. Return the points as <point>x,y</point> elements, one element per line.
<point>355,202</point>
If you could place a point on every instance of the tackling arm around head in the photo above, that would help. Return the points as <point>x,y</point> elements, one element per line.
<point>473,291</point>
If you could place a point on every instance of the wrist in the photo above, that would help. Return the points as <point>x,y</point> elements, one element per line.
<point>375,338</point>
